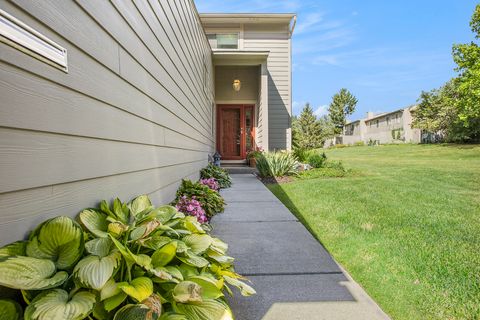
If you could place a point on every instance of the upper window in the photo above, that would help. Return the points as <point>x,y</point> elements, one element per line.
<point>223,40</point>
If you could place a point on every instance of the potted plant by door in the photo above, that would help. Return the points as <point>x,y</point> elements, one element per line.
<point>252,157</point>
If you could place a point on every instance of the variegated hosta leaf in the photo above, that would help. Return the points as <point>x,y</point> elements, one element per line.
<point>14,249</point>
<point>144,230</point>
<point>131,259</point>
<point>10,310</point>
<point>136,312</point>
<point>208,309</point>
<point>218,246</point>
<point>164,255</point>
<point>188,271</point>
<point>192,259</point>
<point>181,246</point>
<point>139,289</point>
<point>172,316</point>
<point>26,273</point>
<point>165,213</point>
<point>139,204</point>
<point>155,242</point>
<point>175,272</point>
<point>220,258</point>
<point>59,239</point>
<point>99,246</point>
<point>121,211</point>
<point>94,271</point>
<point>187,291</point>
<point>192,224</point>
<point>162,274</point>
<point>198,243</point>
<point>95,222</point>
<point>154,303</point>
<point>117,228</point>
<point>111,295</point>
<point>244,288</point>
<point>210,286</point>
<point>56,304</point>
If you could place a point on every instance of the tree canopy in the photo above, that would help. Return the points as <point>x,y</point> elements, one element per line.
<point>343,104</point>
<point>308,132</point>
<point>454,109</point>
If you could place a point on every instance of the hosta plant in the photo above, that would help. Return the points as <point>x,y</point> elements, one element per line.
<point>119,261</point>
<point>211,201</point>
<point>220,174</point>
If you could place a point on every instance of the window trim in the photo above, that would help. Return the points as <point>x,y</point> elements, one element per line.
<point>237,31</point>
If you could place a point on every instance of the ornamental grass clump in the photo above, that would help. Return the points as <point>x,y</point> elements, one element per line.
<point>119,261</point>
<point>212,183</point>
<point>192,208</point>
<point>276,164</point>
<point>220,174</point>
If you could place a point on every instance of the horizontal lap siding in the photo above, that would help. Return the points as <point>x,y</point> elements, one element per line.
<point>132,116</point>
<point>275,39</point>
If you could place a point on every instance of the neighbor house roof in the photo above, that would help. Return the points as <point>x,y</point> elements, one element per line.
<point>381,115</point>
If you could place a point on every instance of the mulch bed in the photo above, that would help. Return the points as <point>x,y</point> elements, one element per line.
<point>277,180</point>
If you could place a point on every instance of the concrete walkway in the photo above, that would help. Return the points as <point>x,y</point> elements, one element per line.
<point>293,274</point>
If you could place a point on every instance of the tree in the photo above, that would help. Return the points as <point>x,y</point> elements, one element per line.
<point>306,130</point>
<point>436,111</point>
<point>343,104</point>
<point>467,58</point>
<point>454,109</point>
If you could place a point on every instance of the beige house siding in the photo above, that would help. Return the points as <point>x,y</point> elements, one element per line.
<point>276,39</point>
<point>224,76</point>
<point>133,114</point>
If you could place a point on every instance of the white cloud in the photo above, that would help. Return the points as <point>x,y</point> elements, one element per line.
<point>308,22</point>
<point>321,111</point>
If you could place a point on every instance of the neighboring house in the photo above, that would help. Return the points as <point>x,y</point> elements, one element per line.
<point>390,127</point>
<point>119,98</point>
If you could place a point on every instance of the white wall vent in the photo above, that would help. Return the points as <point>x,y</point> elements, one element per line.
<point>20,36</point>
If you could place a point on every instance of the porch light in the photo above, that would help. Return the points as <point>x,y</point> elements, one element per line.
<point>237,85</point>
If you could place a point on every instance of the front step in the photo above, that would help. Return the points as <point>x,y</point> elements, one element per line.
<point>231,169</point>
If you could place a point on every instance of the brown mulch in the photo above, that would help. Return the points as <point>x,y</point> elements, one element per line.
<point>277,180</point>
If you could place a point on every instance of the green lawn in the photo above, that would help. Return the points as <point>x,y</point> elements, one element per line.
<point>405,224</point>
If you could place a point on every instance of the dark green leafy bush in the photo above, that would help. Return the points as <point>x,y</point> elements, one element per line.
<point>210,200</point>
<point>317,160</point>
<point>120,261</point>
<point>220,174</point>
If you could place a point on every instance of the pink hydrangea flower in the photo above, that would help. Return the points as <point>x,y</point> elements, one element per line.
<point>212,183</point>
<point>192,207</point>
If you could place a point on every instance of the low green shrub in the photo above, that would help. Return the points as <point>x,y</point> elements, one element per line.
<point>220,174</point>
<point>276,164</point>
<point>120,261</point>
<point>340,145</point>
<point>301,154</point>
<point>317,159</point>
<point>331,169</point>
<point>210,200</point>
<point>359,143</point>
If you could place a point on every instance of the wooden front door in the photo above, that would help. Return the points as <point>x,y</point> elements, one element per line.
<point>235,131</point>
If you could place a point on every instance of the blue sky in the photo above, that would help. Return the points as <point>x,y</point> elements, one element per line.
<point>385,52</point>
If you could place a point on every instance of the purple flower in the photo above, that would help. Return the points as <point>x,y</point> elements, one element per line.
<point>211,183</point>
<point>191,207</point>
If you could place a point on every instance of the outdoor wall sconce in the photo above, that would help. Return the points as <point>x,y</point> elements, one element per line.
<point>237,85</point>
